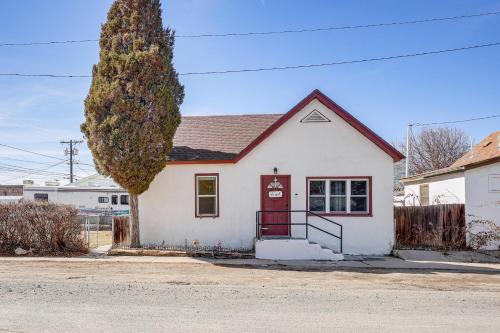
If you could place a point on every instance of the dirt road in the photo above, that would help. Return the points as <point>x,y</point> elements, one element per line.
<point>104,296</point>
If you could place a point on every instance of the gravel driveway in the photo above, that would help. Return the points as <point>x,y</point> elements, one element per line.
<point>100,296</point>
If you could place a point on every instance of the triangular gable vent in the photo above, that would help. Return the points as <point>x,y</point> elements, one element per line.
<point>315,117</point>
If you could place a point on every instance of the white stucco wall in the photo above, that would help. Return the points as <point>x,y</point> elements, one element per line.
<point>80,198</point>
<point>167,209</point>
<point>482,202</point>
<point>445,189</point>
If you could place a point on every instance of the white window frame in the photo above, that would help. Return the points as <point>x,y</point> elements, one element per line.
<point>198,196</point>
<point>347,195</point>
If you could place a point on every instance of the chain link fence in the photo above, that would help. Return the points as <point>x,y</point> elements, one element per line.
<point>97,226</point>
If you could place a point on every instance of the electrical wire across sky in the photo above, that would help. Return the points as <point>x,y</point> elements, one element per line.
<point>276,32</point>
<point>267,69</point>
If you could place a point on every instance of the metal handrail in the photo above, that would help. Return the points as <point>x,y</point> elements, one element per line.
<point>258,226</point>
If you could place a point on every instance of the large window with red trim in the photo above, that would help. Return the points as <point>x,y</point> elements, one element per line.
<point>339,196</point>
<point>207,195</point>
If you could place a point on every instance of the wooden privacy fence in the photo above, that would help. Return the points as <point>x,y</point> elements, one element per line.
<point>121,235</point>
<point>436,226</point>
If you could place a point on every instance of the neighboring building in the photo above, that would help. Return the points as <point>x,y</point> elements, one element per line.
<point>10,193</point>
<point>10,199</point>
<point>317,158</point>
<point>92,193</point>
<point>11,190</point>
<point>474,180</point>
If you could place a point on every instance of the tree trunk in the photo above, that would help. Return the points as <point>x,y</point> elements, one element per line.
<point>134,221</point>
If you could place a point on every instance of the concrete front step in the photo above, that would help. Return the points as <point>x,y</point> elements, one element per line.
<point>293,249</point>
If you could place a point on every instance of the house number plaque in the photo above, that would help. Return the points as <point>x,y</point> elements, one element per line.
<point>275,194</point>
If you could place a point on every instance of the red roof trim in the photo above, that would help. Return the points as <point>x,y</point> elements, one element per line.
<point>201,162</point>
<point>316,94</point>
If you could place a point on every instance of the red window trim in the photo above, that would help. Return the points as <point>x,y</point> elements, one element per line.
<point>196,175</point>
<point>370,201</point>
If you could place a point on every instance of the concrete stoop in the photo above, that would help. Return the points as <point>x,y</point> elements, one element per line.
<point>293,249</point>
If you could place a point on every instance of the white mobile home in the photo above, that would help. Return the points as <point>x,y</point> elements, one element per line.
<point>285,180</point>
<point>90,193</point>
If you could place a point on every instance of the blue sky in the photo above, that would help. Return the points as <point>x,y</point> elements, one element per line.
<point>36,113</point>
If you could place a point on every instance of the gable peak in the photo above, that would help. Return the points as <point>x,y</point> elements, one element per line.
<point>315,117</point>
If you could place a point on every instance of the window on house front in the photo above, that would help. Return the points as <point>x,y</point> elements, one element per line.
<point>124,199</point>
<point>359,196</point>
<point>317,196</point>
<point>41,197</point>
<point>339,196</point>
<point>103,199</point>
<point>114,200</point>
<point>207,189</point>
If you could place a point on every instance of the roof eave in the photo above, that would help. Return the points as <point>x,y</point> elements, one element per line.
<point>431,174</point>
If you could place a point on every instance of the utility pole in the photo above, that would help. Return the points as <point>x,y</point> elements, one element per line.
<point>71,152</point>
<point>408,133</point>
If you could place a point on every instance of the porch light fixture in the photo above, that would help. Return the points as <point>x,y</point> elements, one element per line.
<point>275,170</point>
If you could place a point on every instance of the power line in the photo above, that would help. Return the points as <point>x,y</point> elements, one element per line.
<point>455,121</point>
<point>18,169</point>
<point>45,75</point>
<point>267,69</point>
<point>88,164</point>
<point>78,41</point>
<point>348,27</point>
<point>276,32</point>
<point>38,171</point>
<point>32,152</point>
<point>24,161</point>
<point>346,62</point>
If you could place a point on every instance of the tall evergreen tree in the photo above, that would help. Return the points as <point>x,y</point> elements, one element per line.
<point>132,109</point>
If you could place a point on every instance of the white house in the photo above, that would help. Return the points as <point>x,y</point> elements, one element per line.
<point>91,193</point>
<point>315,164</point>
<point>473,180</point>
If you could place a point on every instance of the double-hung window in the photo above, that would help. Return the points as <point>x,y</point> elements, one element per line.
<point>342,196</point>
<point>207,195</point>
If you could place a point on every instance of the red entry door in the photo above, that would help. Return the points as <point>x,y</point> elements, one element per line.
<point>275,195</point>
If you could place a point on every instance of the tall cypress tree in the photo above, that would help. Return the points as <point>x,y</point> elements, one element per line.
<point>132,109</point>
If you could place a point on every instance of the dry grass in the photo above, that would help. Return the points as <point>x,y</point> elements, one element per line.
<point>97,239</point>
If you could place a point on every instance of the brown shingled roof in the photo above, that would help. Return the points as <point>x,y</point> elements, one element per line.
<point>487,149</point>
<point>227,139</point>
<point>217,137</point>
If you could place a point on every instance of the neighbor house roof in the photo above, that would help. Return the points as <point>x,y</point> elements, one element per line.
<point>485,152</point>
<point>227,139</point>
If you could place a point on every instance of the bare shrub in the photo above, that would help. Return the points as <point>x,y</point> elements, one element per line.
<point>43,228</point>
<point>482,232</point>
